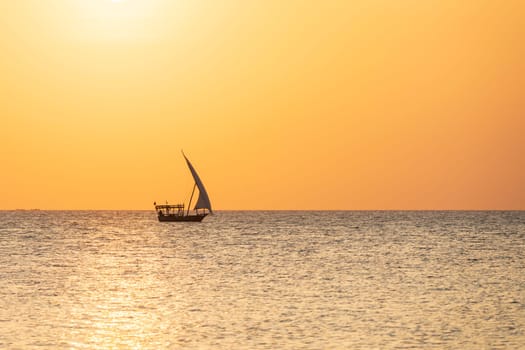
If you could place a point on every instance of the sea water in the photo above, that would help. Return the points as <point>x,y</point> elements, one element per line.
<point>262,280</point>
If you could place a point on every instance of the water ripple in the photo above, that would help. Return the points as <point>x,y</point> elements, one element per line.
<point>262,280</point>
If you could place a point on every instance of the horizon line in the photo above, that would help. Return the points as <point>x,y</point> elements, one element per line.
<point>276,210</point>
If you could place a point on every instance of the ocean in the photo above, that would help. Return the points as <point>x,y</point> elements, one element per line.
<point>263,280</point>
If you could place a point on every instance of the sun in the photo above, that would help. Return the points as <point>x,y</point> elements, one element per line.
<point>116,20</point>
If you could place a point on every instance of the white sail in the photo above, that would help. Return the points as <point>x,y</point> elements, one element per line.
<point>204,201</point>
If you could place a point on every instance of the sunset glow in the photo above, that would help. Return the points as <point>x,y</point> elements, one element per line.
<point>279,105</point>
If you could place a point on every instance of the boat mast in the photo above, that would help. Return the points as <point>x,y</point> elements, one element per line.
<point>189,204</point>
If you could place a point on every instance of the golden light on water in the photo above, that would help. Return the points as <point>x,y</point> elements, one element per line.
<point>120,305</point>
<point>262,280</point>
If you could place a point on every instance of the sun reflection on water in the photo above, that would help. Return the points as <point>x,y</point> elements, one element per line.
<point>121,304</point>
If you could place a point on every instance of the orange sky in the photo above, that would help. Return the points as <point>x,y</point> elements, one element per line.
<point>279,104</point>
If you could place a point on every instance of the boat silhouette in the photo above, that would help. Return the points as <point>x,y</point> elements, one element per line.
<point>178,212</point>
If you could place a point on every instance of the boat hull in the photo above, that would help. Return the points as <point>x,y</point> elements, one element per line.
<point>181,218</point>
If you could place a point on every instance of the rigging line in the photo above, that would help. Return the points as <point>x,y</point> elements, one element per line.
<point>189,204</point>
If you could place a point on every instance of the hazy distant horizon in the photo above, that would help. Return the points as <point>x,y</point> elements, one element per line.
<point>277,210</point>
